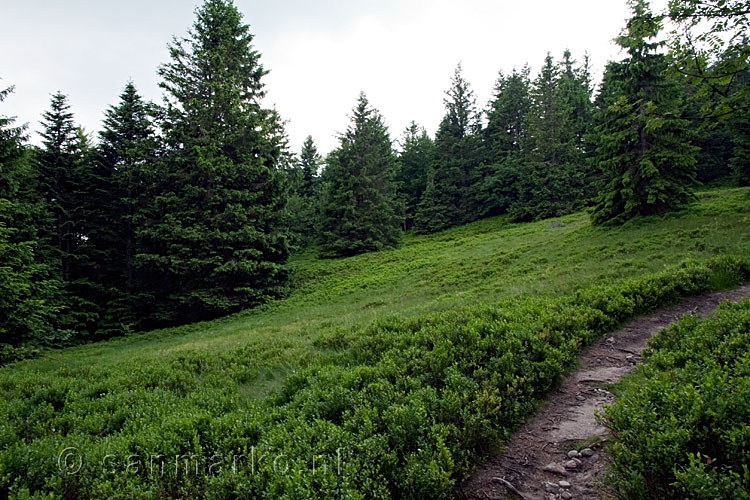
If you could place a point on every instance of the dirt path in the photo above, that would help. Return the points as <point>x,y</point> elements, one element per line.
<point>535,464</point>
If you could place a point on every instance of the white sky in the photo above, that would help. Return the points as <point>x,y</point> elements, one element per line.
<point>321,53</point>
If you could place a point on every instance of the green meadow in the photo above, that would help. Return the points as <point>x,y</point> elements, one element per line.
<point>414,361</point>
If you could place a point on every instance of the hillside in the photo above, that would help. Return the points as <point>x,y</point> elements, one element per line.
<point>225,385</point>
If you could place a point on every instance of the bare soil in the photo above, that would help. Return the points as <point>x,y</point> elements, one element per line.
<point>533,463</point>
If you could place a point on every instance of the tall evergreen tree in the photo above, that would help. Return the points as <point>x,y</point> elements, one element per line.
<point>451,195</point>
<point>65,173</point>
<point>550,179</point>
<point>309,162</point>
<point>57,164</point>
<point>416,155</point>
<point>642,143</point>
<point>29,289</point>
<point>304,195</point>
<point>216,239</point>
<point>117,204</point>
<point>577,90</point>
<point>503,137</point>
<point>359,210</point>
<point>506,115</point>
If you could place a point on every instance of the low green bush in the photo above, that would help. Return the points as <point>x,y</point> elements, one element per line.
<point>404,411</point>
<point>681,428</point>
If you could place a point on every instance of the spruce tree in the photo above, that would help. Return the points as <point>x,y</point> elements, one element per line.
<point>29,288</point>
<point>503,137</point>
<point>118,203</point>
<point>642,143</point>
<point>577,90</point>
<point>304,195</point>
<point>550,177</point>
<point>87,307</point>
<point>506,115</point>
<point>309,162</point>
<point>57,163</point>
<point>216,238</point>
<point>359,211</point>
<point>416,155</point>
<point>451,195</point>
<point>64,168</point>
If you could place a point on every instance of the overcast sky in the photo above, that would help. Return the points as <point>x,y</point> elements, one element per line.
<point>321,53</point>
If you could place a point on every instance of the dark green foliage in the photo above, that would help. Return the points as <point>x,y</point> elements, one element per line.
<point>57,168</point>
<point>740,161</point>
<point>117,205</point>
<point>576,89</point>
<point>29,290</point>
<point>535,142</point>
<point>65,178</point>
<point>414,160</point>
<point>215,239</point>
<point>712,49</point>
<point>681,426</point>
<point>551,177</point>
<point>738,123</point>
<point>712,137</point>
<point>451,197</point>
<point>86,310</point>
<point>716,148</point>
<point>506,116</point>
<point>712,53</point>
<point>503,136</point>
<point>359,212</point>
<point>713,66</point>
<point>309,162</point>
<point>304,195</point>
<point>642,143</point>
<point>499,185</point>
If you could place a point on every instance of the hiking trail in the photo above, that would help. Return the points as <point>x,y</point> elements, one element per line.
<point>560,452</point>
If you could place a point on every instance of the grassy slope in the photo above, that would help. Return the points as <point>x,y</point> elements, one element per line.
<point>479,262</point>
<point>131,385</point>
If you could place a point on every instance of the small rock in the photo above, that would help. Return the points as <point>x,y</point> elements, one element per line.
<point>556,223</point>
<point>578,461</point>
<point>587,452</point>
<point>564,485</point>
<point>571,464</point>
<point>566,495</point>
<point>573,454</point>
<point>580,398</point>
<point>551,496</point>
<point>555,468</point>
<point>551,487</point>
<point>611,340</point>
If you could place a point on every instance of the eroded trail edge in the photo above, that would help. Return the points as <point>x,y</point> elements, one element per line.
<point>560,452</point>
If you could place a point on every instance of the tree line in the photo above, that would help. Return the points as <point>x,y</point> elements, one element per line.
<point>188,210</point>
